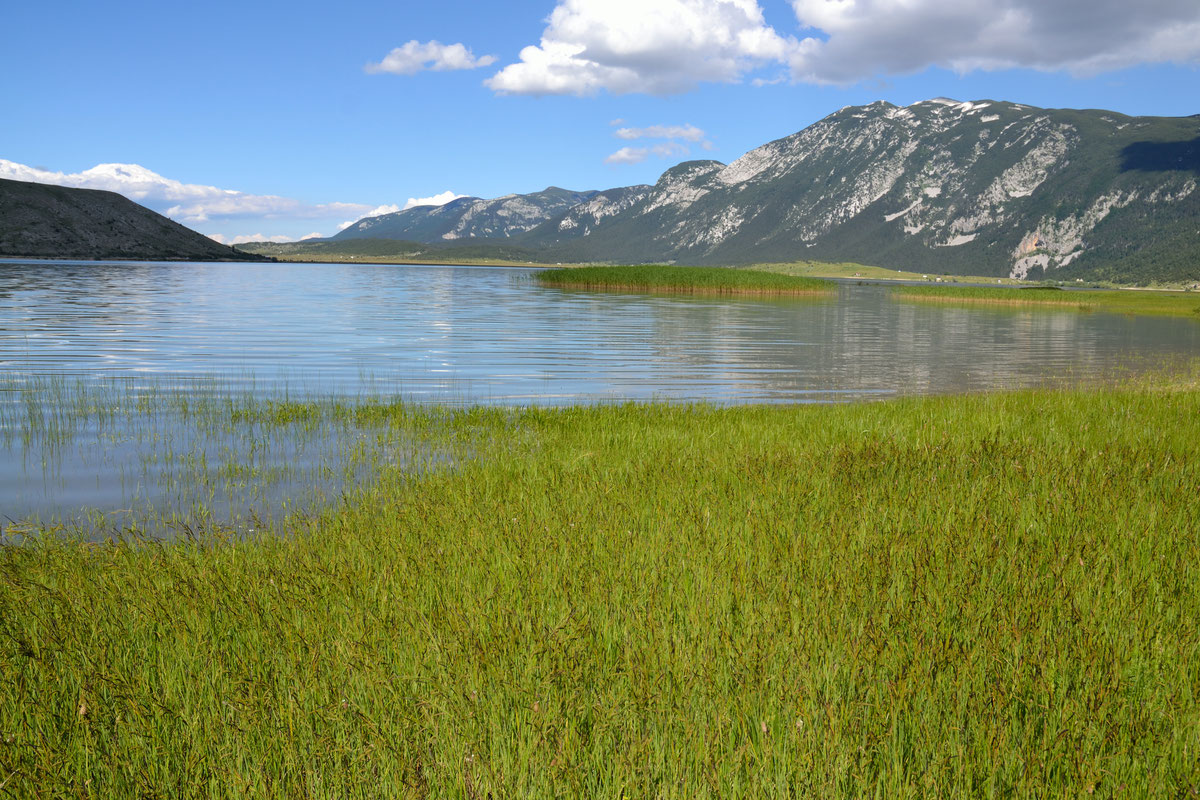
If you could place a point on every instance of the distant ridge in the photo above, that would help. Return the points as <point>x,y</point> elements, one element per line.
<point>43,221</point>
<point>469,218</point>
<point>987,188</point>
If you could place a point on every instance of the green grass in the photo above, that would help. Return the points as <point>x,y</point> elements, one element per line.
<point>992,595</point>
<point>849,269</point>
<point>1182,304</point>
<point>683,280</point>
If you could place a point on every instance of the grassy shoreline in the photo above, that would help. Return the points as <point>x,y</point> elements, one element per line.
<point>1115,302</point>
<point>849,270</point>
<point>410,262</point>
<point>683,280</point>
<point>948,596</point>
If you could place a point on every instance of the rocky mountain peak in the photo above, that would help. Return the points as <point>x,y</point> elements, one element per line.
<point>979,187</point>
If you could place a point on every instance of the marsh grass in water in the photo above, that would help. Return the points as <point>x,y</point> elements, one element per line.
<point>1183,304</point>
<point>994,595</point>
<point>105,458</point>
<point>683,280</point>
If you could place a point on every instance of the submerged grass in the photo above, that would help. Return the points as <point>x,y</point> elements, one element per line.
<point>683,280</point>
<point>1182,304</point>
<point>993,595</point>
<point>109,458</point>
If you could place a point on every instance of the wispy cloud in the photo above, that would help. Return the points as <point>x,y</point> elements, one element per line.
<point>413,57</point>
<point>675,135</point>
<point>688,133</point>
<point>670,149</point>
<point>628,155</point>
<point>253,237</point>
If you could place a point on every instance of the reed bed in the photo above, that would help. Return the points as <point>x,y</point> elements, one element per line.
<point>983,596</point>
<point>684,280</point>
<point>1182,304</point>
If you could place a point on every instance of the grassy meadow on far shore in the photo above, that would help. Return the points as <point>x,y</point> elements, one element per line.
<point>1182,304</point>
<point>953,597</point>
<point>850,270</point>
<point>676,279</point>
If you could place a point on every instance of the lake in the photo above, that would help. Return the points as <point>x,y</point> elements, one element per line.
<point>489,335</point>
<point>129,337</point>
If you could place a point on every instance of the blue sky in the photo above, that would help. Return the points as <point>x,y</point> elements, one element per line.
<point>286,119</point>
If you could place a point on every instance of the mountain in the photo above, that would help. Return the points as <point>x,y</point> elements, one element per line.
<point>469,217</point>
<point>45,221</point>
<point>982,188</point>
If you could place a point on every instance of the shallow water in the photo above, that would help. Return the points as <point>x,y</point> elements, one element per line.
<point>108,458</point>
<point>459,335</point>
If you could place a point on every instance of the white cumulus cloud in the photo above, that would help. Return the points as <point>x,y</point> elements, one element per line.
<point>652,46</point>
<point>866,38</point>
<point>435,200</point>
<point>377,211</point>
<point>187,203</point>
<point>413,202</point>
<point>413,57</point>
<point>668,46</point>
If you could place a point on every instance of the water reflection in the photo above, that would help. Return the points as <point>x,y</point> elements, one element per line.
<point>480,335</point>
<point>483,335</point>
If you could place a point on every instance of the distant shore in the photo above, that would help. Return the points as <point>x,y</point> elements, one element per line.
<point>1157,303</point>
<point>848,271</point>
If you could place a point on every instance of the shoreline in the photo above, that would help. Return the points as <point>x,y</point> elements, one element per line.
<point>797,269</point>
<point>1114,301</point>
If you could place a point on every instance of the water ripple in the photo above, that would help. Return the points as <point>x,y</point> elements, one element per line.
<point>486,335</point>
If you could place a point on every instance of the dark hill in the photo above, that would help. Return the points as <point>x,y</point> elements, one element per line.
<point>42,221</point>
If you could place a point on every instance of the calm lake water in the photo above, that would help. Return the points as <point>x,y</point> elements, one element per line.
<point>489,335</point>
<point>112,334</point>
